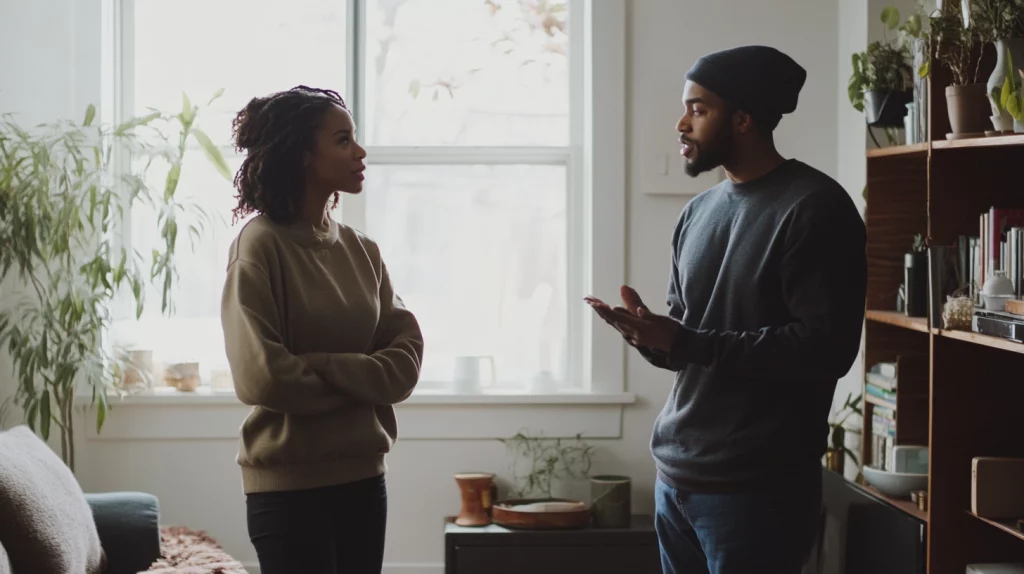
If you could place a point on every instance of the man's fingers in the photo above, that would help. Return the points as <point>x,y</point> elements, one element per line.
<point>620,319</point>
<point>632,299</point>
<point>627,319</point>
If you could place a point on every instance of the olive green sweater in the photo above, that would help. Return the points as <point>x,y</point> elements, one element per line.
<point>322,347</point>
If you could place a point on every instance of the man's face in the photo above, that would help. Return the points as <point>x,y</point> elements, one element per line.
<point>705,130</point>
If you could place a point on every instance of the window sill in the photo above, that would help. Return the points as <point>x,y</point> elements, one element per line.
<point>206,396</point>
<point>167,414</point>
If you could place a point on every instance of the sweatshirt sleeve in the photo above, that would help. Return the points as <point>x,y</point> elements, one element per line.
<point>265,373</point>
<point>389,374</point>
<point>824,283</point>
<point>676,307</point>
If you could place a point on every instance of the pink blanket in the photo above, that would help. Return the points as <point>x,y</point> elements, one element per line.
<point>185,551</point>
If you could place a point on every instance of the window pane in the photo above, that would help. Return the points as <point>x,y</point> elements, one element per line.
<point>248,47</point>
<point>194,332</point>
<point>467,72</point>
<point>479,254</point>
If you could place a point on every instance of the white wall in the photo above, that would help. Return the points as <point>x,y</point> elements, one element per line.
<point>38,88</point>
<point>197,481</point>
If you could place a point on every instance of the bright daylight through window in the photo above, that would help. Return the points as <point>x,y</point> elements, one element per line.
<point>469,111</point>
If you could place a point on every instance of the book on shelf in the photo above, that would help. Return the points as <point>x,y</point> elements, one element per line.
<point>885,412</point>
<point>881,451</point>
<point>879,392</point>
<point>1001,240</point>
<point>1014,245</point>
<point>883,426</point>
<point>1000,221</point>
<point>882,382</point>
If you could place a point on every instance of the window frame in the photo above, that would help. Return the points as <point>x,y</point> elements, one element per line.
<point>595,160</point>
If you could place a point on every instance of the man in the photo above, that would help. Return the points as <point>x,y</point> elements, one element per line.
<point>765,308</point>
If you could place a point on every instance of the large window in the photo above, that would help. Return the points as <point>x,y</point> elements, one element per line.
<point>472,112</point>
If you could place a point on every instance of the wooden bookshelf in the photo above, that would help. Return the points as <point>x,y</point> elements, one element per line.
<point>994,141</point>
<point>906,506</point>
<point>984,340</point>
<point>1007,526</point>
<point>899,320</point>
<point>919,148</point>
<point>955,389</point>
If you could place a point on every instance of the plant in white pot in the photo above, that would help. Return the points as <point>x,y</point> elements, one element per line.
<point>1011,96</point>
<point>953,41</point>
<point>1000,22</point>
<point>64,189</point>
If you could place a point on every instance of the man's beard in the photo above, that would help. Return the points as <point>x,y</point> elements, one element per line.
<point>711,155</point>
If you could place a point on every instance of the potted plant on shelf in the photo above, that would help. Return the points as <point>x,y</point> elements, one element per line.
<point>881,84</point>
<point>837,451</point>
<point>64,189</point>
<point>541,465</point>
<point>953,39</point>
<point>999,22</point>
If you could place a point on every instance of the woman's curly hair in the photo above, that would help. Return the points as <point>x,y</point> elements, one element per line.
<point>277,132</point>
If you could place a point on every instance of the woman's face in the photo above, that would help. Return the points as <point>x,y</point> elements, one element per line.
<point>336,163</point>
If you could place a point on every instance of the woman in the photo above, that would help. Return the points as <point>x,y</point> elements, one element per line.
<point>318,342</point>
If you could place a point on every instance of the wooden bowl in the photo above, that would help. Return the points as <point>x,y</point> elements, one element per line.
<point>541,513</point>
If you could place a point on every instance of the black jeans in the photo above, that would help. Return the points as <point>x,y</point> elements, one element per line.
<point>330,530</point>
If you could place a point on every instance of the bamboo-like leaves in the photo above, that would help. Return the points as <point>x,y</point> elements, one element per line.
<point>212,153</point>
<point>90,115</point>
<point>60,197</point>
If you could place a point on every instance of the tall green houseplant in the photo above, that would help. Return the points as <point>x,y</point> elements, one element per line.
<point>65,187</point>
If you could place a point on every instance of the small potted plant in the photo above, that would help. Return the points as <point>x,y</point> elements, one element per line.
<point>542,465</point>
<point>837,451</point>
<point>881,84</point>
<point>953,39</point>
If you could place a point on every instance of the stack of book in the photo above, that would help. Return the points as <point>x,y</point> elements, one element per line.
<point>999,246</point>
<point>881,384</point>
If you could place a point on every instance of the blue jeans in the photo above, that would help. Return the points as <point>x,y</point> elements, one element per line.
<point>772,530</point>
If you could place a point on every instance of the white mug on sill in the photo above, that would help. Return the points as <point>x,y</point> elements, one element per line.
<point>467,373</point>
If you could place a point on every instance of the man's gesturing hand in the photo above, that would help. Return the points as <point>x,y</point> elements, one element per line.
<point>636,322</point>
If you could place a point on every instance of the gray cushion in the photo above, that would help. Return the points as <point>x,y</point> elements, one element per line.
<point>45,523</point>
<point>129,527</point>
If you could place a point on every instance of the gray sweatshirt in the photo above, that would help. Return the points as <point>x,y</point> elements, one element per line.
<point>768,283</point>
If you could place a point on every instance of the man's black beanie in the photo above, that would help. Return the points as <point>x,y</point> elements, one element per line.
<point>759,80</point>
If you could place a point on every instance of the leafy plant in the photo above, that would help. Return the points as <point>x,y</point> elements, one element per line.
<point>64,189</point>
<point>997,19</point>
<point>546,462</point>
<point>952,42</point>
<point>837,435</point>
<point>885,65</point>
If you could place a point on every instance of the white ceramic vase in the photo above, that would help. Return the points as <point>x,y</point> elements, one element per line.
<point>1014,48</point>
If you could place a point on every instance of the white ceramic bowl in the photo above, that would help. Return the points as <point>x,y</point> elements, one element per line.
<point>996,302</point>
<point>895,484</point>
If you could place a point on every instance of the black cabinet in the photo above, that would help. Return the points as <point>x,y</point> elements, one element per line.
<point>497,550</point>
